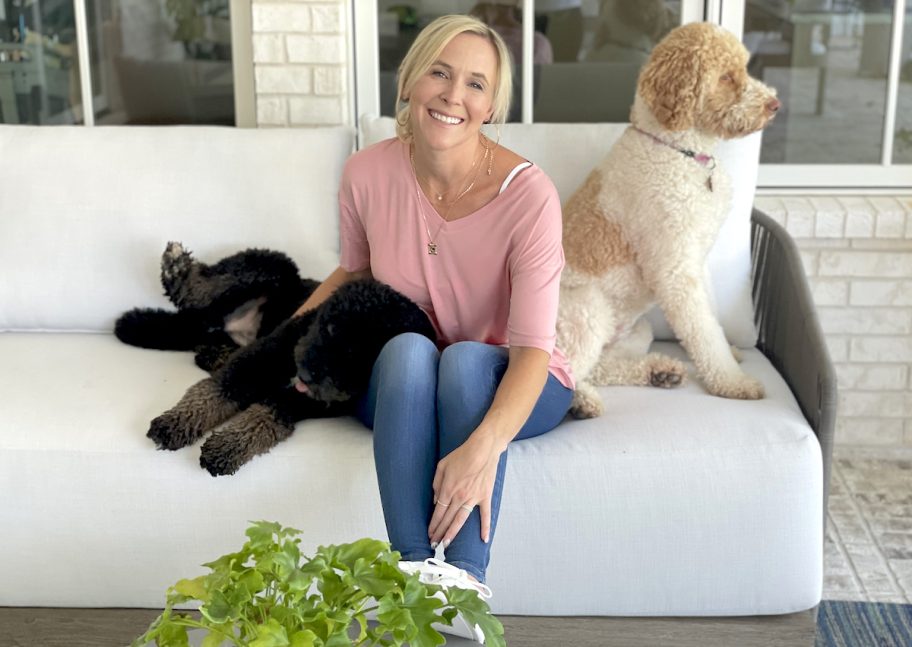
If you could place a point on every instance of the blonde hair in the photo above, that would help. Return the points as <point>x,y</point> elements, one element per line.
<point>427,48</point>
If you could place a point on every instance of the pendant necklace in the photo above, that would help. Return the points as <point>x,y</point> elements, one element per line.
<point>432,246</point>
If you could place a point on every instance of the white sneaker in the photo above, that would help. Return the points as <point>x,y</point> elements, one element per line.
<point>435,571</point>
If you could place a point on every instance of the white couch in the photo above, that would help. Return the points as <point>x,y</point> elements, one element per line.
<point>673,503</point>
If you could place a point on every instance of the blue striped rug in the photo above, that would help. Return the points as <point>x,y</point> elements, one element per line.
<point>863,624</point>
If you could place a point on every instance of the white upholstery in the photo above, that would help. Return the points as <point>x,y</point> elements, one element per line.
<point>568,152</point>
<point>673,503</point>
<point>631,514</point>
<point>86,213</point>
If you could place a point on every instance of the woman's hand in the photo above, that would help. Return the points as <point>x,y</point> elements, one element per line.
<point>464,479</point>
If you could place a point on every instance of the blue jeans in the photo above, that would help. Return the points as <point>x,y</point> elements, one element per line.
<point>422,404</point>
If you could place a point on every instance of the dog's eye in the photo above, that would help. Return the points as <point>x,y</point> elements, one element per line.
<point>726,78</point>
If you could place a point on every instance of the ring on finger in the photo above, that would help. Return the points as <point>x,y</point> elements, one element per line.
<point>467,507</point>
<point>445,505</point>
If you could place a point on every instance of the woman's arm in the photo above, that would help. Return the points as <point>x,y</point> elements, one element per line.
<point>519,390</point>
<point>466,475</point>
<point>339,277</point>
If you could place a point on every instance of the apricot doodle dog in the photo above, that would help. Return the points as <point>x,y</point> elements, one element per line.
<point>638,231</point>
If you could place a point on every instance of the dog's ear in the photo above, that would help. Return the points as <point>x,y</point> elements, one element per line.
<point>673,79</point>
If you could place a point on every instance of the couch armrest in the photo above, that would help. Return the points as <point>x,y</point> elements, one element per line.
<point>789,332</point>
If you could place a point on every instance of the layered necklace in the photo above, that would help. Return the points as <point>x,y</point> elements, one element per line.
<point>488,155</point>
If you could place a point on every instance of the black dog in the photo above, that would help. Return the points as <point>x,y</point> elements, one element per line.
<point>220,307</point>
<point>252,396</point>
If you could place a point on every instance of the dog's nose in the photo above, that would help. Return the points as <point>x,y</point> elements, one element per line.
<point>773,105</point>
<point>304,375</point>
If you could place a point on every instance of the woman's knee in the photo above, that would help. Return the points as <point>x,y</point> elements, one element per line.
<point>408,348</point>
<point>471,367</point>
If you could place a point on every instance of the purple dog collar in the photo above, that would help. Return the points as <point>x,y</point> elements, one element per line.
<point>702,159</point>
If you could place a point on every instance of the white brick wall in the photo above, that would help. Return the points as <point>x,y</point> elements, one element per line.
<point>300,56</point>
<point>857,251</point>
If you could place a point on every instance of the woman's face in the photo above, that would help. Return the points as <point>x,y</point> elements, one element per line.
<point>450,102</point>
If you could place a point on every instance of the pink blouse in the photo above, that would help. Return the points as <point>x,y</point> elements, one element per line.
<point>496,276</point>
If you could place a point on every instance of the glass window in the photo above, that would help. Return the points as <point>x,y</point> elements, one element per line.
<point>828,59</point>
<point>151,62</point>
<point>398,24</point>
<point>39,76</point>
<point>586,53</point>
<point>161,61</point>
<point>598,49</point>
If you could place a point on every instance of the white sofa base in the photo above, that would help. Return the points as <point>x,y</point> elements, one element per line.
<point>705,506</point>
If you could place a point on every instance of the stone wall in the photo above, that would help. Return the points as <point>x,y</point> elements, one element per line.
<point>301,55</point>
<point>857,252</point>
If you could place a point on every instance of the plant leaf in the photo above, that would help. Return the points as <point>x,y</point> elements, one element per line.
<point>261,533</point>
<point>332,587</point>
<point>214,639</point>
<point>374,579</point>
<point>345,555</point>
<point>476,611</point>
<point>173,635</point>
<point>194,589</point>
<point>305,638</point>
<point>271,634</point>
<point>220,609</point>
<point>412,617</point>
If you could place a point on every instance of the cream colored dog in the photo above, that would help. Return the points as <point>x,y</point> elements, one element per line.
<point>638,231</point>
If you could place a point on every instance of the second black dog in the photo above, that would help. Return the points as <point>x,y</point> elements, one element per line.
<point>253,400</point>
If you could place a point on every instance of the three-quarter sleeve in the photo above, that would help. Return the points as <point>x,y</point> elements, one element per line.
<point>535,270</point>
<point>354,252</point>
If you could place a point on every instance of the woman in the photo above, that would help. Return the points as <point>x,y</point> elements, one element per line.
<point>472,233</point>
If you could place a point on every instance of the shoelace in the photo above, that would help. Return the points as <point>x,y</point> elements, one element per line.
<point>446,575</point>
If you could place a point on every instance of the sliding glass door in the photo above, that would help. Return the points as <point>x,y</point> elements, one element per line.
<point>39,76</point>
<point>843,69</point>
<point>132,61</point>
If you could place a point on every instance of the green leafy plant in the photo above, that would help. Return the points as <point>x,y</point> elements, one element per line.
<point>269,595</point>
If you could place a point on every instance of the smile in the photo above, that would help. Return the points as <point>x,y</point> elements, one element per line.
<point>447,120</point>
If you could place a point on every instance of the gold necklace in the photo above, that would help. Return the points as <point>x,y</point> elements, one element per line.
<point>432,245</point>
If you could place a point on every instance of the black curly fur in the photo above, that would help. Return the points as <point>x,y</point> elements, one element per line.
<point>205,295</point>
<point>250,400</point>
<point>352,327</point>
<point>331,349</point>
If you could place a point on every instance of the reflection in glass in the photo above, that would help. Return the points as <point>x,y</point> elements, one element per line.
<point>161,61</point>
<point>828,59</point>
<point>506,18</point>
<point>398,24</point>
<point>599,48</point>
<point>39,74</point>
<point>586,53</point>
<point>902,142</point>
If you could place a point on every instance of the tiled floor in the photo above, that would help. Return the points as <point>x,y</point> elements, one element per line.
<point>869,526</point>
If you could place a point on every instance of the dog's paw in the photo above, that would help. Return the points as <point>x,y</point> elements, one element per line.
<point>168,432</point>
<point>586,404</point>
<point>737,354</point>
<point>176,263</point>
<point>212,358</point>
<point>740,387</point>
<point>220,456</point>
<point>666,372</point>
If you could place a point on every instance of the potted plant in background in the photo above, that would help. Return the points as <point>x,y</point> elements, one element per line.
<point>269,595</point>
<point>203,26</point>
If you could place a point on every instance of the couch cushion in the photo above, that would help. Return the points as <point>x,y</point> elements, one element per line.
<point>568,152</point>
<point>83,243</point>
<point>704,506</point>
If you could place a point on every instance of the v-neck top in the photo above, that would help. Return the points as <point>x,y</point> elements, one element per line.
<point>496,276</point>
